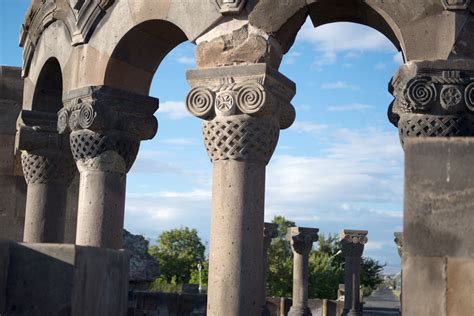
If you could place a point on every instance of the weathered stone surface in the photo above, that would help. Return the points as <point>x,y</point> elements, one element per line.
<point>242,46</point>
<point>143,267</point>
<point>460,279</point>
<point>439,197</point>
<point>4,265</point>
<point>66,280</point>
<point>424,285</point>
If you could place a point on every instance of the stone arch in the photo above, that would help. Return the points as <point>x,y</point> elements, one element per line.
<point>47,96</point>
<point>358,11</point>
<point>133,69</point>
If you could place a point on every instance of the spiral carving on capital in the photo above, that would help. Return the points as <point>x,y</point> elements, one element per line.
<point>302,239</point>
<point>251,97</point>
<point>200,102</point>
<point>433,100</point>
<point>47,167</point>
<point>352,242</point>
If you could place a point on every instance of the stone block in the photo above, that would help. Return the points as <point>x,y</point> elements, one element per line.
<point>11,84</point>
<point>61,279</point>
<point>4,263</point>
<point>439,197</point>
<point>460,286</point>
<point>7,158</point>
<point>9,111</point>
<point>424,286</point>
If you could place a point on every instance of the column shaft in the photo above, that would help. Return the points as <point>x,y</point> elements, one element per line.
<point>300,282</point>
<point>45,214</point>
<point>101,209</point>
<point>352,273</point>
<point>235,262</point>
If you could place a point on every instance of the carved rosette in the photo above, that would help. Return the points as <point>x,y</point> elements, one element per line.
<point>243,108</point>
<point>302,239</point>
<point>45,155</point>
<point>433,99</point>
<point>353,242</point>
<point>456,4</point>
<point>230,7</point>
<point>101,120</point>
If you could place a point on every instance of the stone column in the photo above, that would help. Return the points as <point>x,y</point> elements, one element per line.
<point>352,242</point>
<point>106,126</point>
<point>48,168</point>
<point>243,108</point>
<point>301,240</point>
<point>270,231</point>
<point>399,242</point>
<point>434,99</point>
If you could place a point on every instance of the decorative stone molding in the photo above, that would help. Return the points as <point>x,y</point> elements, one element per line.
<point>230,7</point>
<point>45,154</point>
<point>433,99</point>
<point>80,17</point>
<point>353,242</point>
<point>243,107</point>
<point>302,238</point>
<point>102,119</point>
<point>456,4</point>
<point>399,242</point>
<point>270,230</point>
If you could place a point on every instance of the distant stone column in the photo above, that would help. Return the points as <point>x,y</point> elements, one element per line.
<point>270,231</point>
<point>399,242</point>
<point>352,242</point>
<point>301,240</point>
<point>48,168</point>
<point>106,126</point>
<point>243,108</point>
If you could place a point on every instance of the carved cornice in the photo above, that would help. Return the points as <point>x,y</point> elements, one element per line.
<point>270,230</point>
<point>353,242</point>
<point>230,7</point>
<point>433,99</point>
<point>79,16</point>
<point>302,238</point>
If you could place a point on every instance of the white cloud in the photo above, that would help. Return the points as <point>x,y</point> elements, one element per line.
<point>344,36</point>
<point>398,58</point>
<point>348,107</point>
<point>338,85</point>
<point>291,58</point>
<point>186,60</point>
<point>375,245</point>
<point>380,66</point>
<point>174,110</point>
<point>308,127</point>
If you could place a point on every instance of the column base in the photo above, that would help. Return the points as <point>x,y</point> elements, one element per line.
<point>60,279</point>
<point>299,311</point>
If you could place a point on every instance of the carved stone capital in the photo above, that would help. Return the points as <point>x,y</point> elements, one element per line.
<point>255,90</point>
<point>353,242</point>
<point>243,108</point>
<point>230,7</point>
<point>433,99</point>
<point>399,242</point>
<point>45,156</point>
<point>302,238</point>
<point>102,119</point>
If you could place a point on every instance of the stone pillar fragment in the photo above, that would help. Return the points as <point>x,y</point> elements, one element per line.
<point>399,242</point>
<point>352,242</point>
<point>106,126</point>
<point>243,108</point>
<point>48,168</point>
<point>270,231</point>
<point>301,240</point>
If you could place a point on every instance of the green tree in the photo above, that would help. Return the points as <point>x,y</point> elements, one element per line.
<point>177,252</point>
<point>280,266</point>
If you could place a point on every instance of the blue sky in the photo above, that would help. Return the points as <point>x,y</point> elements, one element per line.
<point>339,166</point>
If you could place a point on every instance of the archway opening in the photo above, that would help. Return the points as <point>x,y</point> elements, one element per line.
<point>49,88</point>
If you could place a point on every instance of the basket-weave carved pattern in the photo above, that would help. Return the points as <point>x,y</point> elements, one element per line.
<point>46,168</point>
<point>86,144</point>
<point>241,138</point>
<point>419,125</point>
